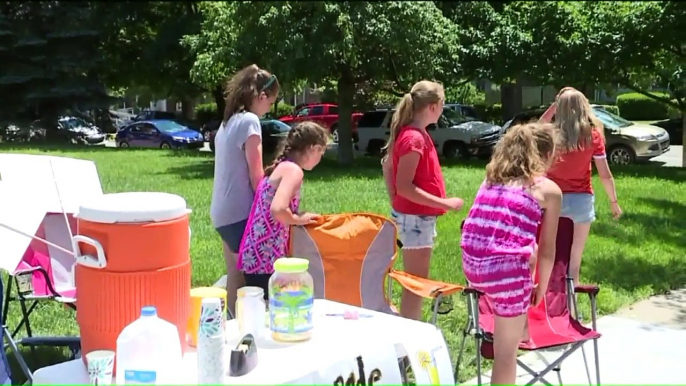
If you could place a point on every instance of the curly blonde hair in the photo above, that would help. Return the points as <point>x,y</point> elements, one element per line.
<point>525,152</point>
<point>575,119</point>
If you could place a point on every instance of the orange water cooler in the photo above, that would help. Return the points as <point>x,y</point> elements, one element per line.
<point>132,251</point>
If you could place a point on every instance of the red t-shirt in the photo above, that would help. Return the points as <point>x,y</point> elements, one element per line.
<point>428,175</point>
<point>572,171</point>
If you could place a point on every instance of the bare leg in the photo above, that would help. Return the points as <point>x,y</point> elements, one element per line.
<point>581,231</point>
<point>506,338</point>
<point>234,279</point>
<point>415,262</point>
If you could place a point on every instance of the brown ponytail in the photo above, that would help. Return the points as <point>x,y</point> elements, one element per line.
<point>245,86</point>
<point>301,138</point>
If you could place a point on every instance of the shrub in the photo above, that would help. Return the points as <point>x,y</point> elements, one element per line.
<point>466,94</point>
<point>489,113</point>
<point>638,107</point>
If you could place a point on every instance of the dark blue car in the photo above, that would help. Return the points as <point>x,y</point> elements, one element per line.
<point>159,133</point>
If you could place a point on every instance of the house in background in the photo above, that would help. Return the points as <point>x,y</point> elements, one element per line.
<point>536,95</point>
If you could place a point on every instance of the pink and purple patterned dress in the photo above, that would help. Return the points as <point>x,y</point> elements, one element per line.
<point>265,238</point>
<point>498,239</point>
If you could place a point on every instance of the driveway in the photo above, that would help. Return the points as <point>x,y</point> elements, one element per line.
<point>672,158</point>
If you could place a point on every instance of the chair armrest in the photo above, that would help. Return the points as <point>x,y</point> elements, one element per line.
<point>26,271</point>
<point>472,291</point>
<point>426,288</point>
<point>590,289</point>
<point>52,341</point>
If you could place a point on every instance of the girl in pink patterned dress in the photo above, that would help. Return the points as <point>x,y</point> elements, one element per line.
<point>499,249</point>
<point>275,207</point>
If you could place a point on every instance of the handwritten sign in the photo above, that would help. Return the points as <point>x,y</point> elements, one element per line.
<point>429,359</point>
<point>366,366</point>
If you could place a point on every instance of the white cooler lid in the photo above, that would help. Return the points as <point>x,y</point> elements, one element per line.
<point>133,207</point>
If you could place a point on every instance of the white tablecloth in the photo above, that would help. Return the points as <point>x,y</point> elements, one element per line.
<point>281,363</point>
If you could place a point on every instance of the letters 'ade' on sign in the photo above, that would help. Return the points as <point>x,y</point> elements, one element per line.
<point>366,366</point>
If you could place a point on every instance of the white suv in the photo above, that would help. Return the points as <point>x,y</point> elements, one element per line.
<point>454,136</point>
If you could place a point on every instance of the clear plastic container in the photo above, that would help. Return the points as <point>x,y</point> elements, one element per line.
<point>148,351</point>
<point>250,310</point>
<point>291,297</point>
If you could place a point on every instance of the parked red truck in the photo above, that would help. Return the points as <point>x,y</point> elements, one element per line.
<point>325,114</point>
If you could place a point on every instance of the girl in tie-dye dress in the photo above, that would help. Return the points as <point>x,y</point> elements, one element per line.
<point>499,248</point>
<point>275,207</point>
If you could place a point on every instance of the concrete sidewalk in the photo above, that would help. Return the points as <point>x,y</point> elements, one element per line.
<point>644,344</point>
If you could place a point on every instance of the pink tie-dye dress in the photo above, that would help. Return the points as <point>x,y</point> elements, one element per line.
<point>498,239</point>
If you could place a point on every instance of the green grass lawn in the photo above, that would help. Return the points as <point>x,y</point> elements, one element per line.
<point>640,255</point>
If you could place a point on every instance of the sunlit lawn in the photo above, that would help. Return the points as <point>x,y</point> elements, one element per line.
<point>638,256</point>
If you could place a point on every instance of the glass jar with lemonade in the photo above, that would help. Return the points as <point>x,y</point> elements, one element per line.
<point>291,298</point>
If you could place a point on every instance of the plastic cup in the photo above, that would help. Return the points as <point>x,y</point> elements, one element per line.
<point>100,367</point>
<point>197,295</point>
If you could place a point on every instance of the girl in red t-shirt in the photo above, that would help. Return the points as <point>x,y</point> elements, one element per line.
<point>583,141</point>
<point>415,182</point>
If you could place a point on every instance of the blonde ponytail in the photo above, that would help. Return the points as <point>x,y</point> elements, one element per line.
<point>404,112</point>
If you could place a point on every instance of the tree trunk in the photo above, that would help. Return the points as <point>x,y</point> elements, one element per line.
<point>188,108</point>
<point>346,96</point>
<point>511,99</point>
<point>683,137</point>
<point>218,94</point>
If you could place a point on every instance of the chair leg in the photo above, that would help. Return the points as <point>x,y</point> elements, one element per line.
<point>465,332</point>
<point>437,302</point>
<point>25,313</point>
<point>594,324</point>
<point>6,305</point>
<point>17,355</point>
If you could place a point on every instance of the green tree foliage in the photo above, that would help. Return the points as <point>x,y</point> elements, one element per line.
<point>387,44</point>
<point>141,46</point>
<point>48,60</point>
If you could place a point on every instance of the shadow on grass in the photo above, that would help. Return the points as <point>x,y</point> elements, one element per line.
<point>328,169</point>
<point>46,356</point>
<point>650,170</point>
<point>671,212</point>
<point>662,274</point>
<point>53,147</point>
<point>629,274</point>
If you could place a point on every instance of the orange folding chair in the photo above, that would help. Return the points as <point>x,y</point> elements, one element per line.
<point>351,257</point>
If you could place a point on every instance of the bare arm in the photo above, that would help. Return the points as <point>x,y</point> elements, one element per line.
<point>606,178</point>
<point>407,166</point>
<point>547,117</point>
<point>387,168</point>
<point>291,179</point>
<point>253,154</point>
<point>552,196</point>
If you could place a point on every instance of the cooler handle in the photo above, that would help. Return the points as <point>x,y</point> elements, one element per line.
<point>98,261</point>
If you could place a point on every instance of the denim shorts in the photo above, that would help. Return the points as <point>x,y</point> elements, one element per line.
<point>232,234</point>
<point>415,232</point>
<point>580,207</point>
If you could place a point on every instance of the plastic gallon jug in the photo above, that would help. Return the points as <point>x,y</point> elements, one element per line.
<point>148,351</point>
<point>132,250</point>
